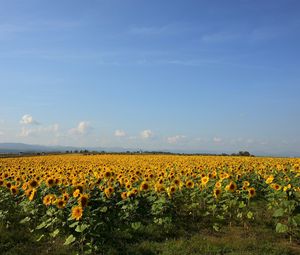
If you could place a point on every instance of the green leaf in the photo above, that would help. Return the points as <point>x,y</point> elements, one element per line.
<point>70,240</point>
<point>27,219</point>
<point>54,233</point>
<point>42,225</point>
<point>250,215</point>
<point>73,225</point>
<point>104,209</point>
<point>216,227</point>
<point>281,228</point>
<point>220,217</point>
<point>40,238</point>
<point>242,204</point>
<point>136,225</point>
<point>297,219</point>
<point>278,213</point>
<point>81,228</point>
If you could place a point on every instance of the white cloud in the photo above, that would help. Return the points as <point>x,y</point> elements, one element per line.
<point>175,139</point>
<point>82,128</point>
<point>217,139</point>
<point>1,133</point>
<point>146,134</point>
<point>120,133</point>
<point>26,132</point>
<point>27,119</point>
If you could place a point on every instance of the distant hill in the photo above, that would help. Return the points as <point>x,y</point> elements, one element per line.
<point>31,148</point>
<point>22,147</point>
<point>16,148</point>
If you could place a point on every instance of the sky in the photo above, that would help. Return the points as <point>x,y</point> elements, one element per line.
<point>190,75</point>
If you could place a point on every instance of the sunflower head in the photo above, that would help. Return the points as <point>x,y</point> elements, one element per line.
<point>33,183</point>
<point>251,192</point>
<point>83,200</point>
<point>217,192</point>
<point>190,184</point>
<point>77,212</point>
<point>144,186</point>
<point>50,182</point>
<point>60,203</point>
<point>231,186</point>
<point>109,191</point>
<point>14,190</point>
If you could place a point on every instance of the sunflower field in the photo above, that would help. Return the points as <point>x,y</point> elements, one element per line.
<point>92,200</point>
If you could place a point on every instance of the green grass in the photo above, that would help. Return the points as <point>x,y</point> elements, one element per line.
<point>18,241</point>
<point>235,240</point>
<point>231,241</point>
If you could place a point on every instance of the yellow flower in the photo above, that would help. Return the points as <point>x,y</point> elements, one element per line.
<point>159,187</point>
<point>124,195</point>
<point>60,203</point>
<point>251,192</point>
<point>171,190</point>
<point>144,186</point>
<point>76,193</point>
<point>218,185</point>
<point>47,200</point>
<point>50,182</point>
<point>231,186</point>
<point>189,184</point>
<point>108,191</point>
<point>270,179</point>
<point>77,212</point>
<point>217,192</point>
<point>83,200</point>
<point>32,194</point>
<point>204,180</point>
<point>14,190</point>
<point>33,183</point>
<point>275,186</point>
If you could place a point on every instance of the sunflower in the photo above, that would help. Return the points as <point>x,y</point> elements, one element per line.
<point>190,184</point>
<point>204,180</point>
<point>251,192</point>
<point>107,174</point>
<point>144,186</point>
<point>50,182</point>
<point>217,192</point>
<point>246,184</point>
<point>32,194</point>
<point>60,203</point>
<point>275,186</point>
<point>108,191</point>
<point>33,183</point>
<point>218,185</point>
<point>159,187</point>
<point>76,193</point>
<point>8,185</point>
<point>171,190</point>
<point>14,190</point>
<point>270,179</point>
<point>177,181</point>
<point>77,212</point>
<point>124,195</point>
<point>47,200</point>
<point>231,186</point>
<point>130,194</point>
<point>83,200</point>
<point>288,187</point>
<point>66,196</point>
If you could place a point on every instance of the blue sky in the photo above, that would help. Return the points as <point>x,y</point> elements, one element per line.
<point>173,74</point>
